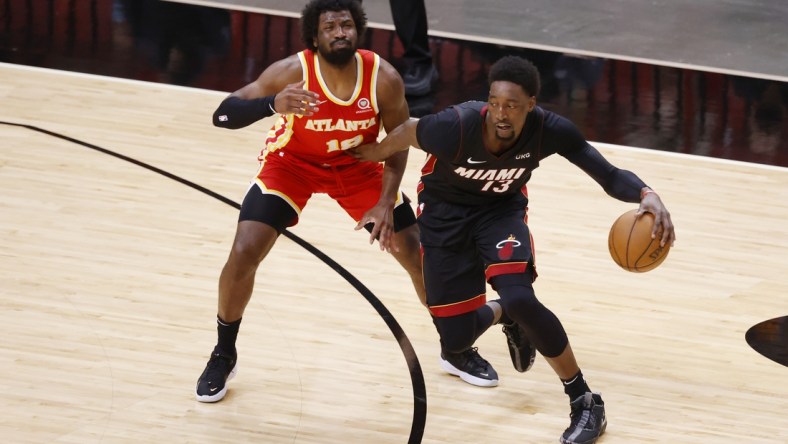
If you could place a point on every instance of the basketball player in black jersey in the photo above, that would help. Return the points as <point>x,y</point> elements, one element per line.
<point>472,202</point>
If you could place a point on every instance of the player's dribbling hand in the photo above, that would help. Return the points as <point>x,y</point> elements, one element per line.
<point>294,99</point>
<point>662,222</point>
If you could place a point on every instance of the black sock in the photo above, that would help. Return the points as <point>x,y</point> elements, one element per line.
<point>228,332</point>
<point>575,386</point>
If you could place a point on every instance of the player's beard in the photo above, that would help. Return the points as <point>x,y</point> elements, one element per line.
<point>340,56</point>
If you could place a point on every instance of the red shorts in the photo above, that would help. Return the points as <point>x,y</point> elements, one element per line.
<point>356,187</point>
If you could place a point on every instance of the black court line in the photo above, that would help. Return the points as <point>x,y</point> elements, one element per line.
<point>416,375</point>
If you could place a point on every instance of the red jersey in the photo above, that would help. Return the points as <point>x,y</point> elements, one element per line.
<point>338,124</point>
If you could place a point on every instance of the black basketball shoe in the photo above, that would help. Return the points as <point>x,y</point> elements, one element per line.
<point>588,420</point>
<point>521,350</point>
<point>470,367</point>
<point>212,385</point>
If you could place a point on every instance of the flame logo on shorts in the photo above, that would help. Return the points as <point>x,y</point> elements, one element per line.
<point>506,247</point>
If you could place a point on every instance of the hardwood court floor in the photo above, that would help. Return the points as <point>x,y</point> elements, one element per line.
<point>109,274</point>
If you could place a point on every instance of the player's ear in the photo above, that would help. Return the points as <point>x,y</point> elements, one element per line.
<point>531,103</point>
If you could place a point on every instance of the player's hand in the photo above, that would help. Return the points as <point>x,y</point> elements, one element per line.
<point>651,203</point>
<point>294,99</point>
<point>381,218</point>
<point>366,152</point>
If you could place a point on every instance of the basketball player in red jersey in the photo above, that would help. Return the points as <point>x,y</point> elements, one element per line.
<point>328,98</point>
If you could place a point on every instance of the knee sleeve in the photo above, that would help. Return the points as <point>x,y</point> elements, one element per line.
<point>543,328</point>
<point>268,209</point>
<point>458,333</point>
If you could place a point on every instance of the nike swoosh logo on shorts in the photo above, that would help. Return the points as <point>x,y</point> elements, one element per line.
<point>470,160</point>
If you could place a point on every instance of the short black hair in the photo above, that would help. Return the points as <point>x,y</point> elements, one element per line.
<point>310,18</point>
<point>517,70</point>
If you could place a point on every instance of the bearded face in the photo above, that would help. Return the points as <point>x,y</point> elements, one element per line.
<point>338,52</point>
<point>337,39</point>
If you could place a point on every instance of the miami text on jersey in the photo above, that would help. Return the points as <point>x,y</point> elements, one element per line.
<point>490,174</point>
<point>496,180</point>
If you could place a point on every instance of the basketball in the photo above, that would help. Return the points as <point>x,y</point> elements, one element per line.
<point>631,245</point>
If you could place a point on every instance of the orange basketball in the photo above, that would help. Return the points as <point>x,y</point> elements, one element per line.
<point>631,245</point>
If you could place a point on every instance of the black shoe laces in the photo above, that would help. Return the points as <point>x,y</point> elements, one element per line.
<point>218,364</point>
<point>472,355</point>
<point>576,413</point>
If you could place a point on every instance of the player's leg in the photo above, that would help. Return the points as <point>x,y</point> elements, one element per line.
<point>360,193</point>
<point>504,244</point>
<point>262,218</point>
<point>545,331</point>
<point>455,288</point>
<point>465,362</point>
<point>406,237</point>
<point>508,251</point>
<point>265,213</point>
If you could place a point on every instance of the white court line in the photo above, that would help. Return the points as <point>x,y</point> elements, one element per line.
<point>104,78</point>
<point>219,93</point>
<point>615,147</point>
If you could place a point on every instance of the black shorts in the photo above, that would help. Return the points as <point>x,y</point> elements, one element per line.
<point>275,211</point>
<point>466,246</point>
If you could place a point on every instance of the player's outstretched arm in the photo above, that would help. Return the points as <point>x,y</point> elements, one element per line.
<point>399,139</point>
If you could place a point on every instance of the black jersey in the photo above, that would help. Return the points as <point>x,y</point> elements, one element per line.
<point>460,170</point>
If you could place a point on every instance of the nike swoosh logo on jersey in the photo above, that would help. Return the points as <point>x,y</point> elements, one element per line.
<point>470,160</point>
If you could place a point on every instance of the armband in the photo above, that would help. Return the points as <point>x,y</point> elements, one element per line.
<point>235,112</point>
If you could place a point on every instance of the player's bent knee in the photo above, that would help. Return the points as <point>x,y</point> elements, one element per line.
<point>252,243</point>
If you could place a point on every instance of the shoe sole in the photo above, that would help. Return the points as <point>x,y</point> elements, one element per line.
<point>516,359</point>
<point>604,426</point>
<point>470,379</point>
<point>591,441</point>
<point>220,394</point>
<point>514,352</point>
